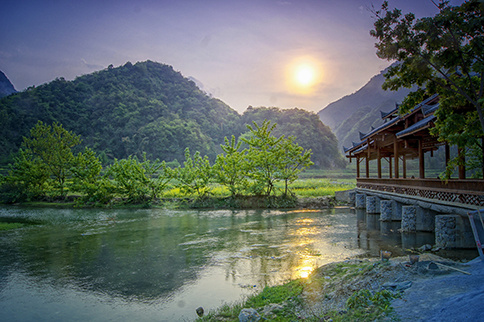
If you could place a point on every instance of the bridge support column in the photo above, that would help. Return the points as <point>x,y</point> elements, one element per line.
<point>409,219</point>
<point>360,201</point>
<point>446,231</point>
<point>390,211</point>
<point>372,205</point>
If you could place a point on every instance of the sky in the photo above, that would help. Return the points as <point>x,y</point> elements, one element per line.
<point>282,53</point>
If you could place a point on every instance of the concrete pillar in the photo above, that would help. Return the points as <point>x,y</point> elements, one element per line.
<point>386,210</point>
<point>390,210</point>
<point>446,231</point>
<point>425,219</point>
<point>372,205</point>
<point>409,219</point>
<point>360,201</point>
<point>352,196</point>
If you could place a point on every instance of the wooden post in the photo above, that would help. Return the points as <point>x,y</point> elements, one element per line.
<point>368,159</point>
<point>390,167</point>
<point>462,160</point>
<point>379,162</point>
<point>357,166</point>
<point>404,165</point>
<point>396,157</point>
<point>421,160</point>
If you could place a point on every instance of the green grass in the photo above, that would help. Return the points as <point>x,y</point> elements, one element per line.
<point>10,225</point>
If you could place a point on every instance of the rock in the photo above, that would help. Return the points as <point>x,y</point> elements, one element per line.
<point>394,286</point>
<point>249,315</point>
<point>199,311</point>
<point>268,311</point>
<point>425,248</point>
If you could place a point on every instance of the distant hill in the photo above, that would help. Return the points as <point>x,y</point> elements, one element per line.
<point>6,87</point>
<point>148,107</point>
<point>360,110</point>
<point>308,129</point>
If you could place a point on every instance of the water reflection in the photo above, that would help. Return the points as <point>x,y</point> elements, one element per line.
<point>156,264</point>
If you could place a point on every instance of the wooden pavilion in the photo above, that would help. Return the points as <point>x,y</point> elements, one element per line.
<point>404,137</point>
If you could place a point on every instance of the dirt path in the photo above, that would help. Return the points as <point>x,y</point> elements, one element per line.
<point>451,297</point>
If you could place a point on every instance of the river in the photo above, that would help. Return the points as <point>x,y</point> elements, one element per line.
<point>160,265</point>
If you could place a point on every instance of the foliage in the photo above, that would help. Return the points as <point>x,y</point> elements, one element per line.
<point>230,169</point>
<point>195,175</point>
<point>263,157</point>
<point>443,54</point>
<point>306,128</point>
<point>365,306</point>
<point>271,159</point>
<point>52,147</point>
<point>293,160</point>
<point>139,181</point>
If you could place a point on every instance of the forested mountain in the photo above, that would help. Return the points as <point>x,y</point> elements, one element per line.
<point>148,107</point>
<point>360,110</point>
<point>6,87</point>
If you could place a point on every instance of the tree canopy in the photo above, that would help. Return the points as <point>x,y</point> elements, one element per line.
<point>443,54</point>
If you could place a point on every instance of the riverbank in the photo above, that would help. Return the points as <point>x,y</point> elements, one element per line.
<point>432,289</point>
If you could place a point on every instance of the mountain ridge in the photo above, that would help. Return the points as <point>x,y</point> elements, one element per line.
<point>6,87</point>
<point>358,111</point>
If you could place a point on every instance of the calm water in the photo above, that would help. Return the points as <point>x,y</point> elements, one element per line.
<point>147,265</point>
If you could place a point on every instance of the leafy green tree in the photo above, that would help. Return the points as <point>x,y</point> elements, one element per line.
<point>27,179</point>
<point>52,146</point>
<point>230,168</point>
<point>293,160</point>
<point>263,157</point>
<point>195,175</point>
<point>139,181</point>
<point>86,177</point>
<point>443,54</point>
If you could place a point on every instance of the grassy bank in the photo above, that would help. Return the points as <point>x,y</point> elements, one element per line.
<point>342,291</point>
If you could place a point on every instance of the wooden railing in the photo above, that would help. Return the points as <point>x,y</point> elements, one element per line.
<point>454,190</point>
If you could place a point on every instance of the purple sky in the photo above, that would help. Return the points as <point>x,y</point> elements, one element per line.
<point>240,50</point>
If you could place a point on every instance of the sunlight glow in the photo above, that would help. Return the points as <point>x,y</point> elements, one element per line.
<point>303,75</point>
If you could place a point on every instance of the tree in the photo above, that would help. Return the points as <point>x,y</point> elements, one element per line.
<point>52,145</point>
<point>230,168</point>
<point>195,175</point>
<point>263,158</point>
<point>442,54</point>
<point>293,160</point>
<point>139,181</point>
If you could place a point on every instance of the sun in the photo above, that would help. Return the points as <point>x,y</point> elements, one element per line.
<point>303,75</point>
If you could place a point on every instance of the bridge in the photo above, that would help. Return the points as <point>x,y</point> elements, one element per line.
<point>419,203</point>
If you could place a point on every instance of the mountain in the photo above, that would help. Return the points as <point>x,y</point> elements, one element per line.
<point>360,110</point>
<point>6,87</point>
<point>148,107</point>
